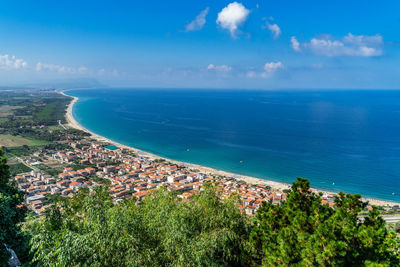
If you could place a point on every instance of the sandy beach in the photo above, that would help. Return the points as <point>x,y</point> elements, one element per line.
<point>279,186</point>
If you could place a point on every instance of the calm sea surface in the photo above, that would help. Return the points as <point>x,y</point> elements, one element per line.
<point>339,140</point>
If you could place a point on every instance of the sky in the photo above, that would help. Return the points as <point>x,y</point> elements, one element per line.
<point>284,44</point>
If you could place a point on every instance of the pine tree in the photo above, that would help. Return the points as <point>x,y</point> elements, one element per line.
<point>305,232</point>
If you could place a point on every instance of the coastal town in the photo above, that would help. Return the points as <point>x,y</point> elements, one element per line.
<point>129,175</point>
<point>76,158</point>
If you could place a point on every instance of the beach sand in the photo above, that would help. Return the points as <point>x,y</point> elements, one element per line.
<point>278,186</point>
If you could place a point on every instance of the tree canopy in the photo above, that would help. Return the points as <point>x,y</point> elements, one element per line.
<point>166,231</point>
<point>10,215</point>
<point>162,231</point>
<point>304,232</point>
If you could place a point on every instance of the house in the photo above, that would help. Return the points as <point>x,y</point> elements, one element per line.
<point>50,180</point>
<point>35,198</point>
<point>69,169</point>
<point>82,172</point>
<point>140,195</point>
<point>250,210</point>
<point>75,185</point>
<point>55,190</point>
<point>108,169</point>
<point>67,192</point>
<point>90,170</point>
<point>63,183</point>
<point>73,173</point>
<point>63,175</point>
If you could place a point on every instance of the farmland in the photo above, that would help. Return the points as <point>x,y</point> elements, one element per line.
<point>8,140</point>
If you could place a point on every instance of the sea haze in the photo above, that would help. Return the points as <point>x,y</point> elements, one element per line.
<point>340,140</point>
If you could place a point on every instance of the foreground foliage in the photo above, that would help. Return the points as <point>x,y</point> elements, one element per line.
<point>89,230</point>
<point>304,232</point>
<point>162,231</point>
<point>165,231</point>
<point>10,216</point>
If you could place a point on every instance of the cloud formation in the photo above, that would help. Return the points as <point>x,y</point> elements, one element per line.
<point>251,74</point>
<point>349,45</point>
<point>275,30</point>
<point>9,63</point>
<point>295,44</point>
<point>220,68</point>
<point>269,69</point>
<point>198,22</point>
<point>60,69</point>
<point>232,17</point>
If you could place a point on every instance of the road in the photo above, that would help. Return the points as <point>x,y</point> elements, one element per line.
<point>24,162</point>
<point>59,122</point>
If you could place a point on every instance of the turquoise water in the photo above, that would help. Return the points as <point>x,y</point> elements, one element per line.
<point>340,140</point>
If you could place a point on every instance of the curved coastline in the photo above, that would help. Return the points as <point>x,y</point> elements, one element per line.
<point>251,180</point>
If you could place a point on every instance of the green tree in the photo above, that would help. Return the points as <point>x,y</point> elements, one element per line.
<point>304,232</point>
<point>10,215</point>
<point>89,230</point>
<point>395,227</point>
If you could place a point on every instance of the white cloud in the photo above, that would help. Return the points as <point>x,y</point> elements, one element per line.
<point>251,74</point>
<point>274,28</point>
<point>295,44</point>
<point>232,16</point>
<point>349,45</point>
<point>198,22</point>
<point>271,67</point>
<point>221,68</point>
<point>12,63</point>
<point>60,69</point>
<point>7,62</point>
<point>82,69</point>
<point>363,40</point>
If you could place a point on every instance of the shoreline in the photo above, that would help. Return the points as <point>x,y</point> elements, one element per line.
<point>278,186</point>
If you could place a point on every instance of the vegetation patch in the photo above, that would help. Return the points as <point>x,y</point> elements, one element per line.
<point>55,128</point>
<point>7,110</point>
<point>46,113</point>
<point>48,170</point>
<point>19,168</point>
<point>8,140</point>
<point>19,151</point>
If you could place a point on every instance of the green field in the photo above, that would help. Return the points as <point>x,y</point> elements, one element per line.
<point>46,113</point>
<point>10,141</point>
<point>55,127</point>
<point>6,110</point>
<point>19,168</point>
<point>24,117</point>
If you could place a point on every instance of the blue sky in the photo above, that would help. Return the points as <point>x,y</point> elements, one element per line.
<point>203,44</point>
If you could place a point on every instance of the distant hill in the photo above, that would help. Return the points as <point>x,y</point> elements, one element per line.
<point>57,84</point>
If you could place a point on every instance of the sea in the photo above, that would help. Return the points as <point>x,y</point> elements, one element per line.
<point>341,140</point>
